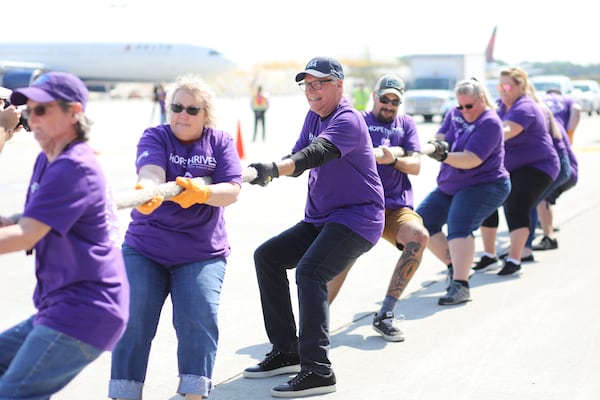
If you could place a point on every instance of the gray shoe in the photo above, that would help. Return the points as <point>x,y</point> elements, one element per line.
<point>456,294</point>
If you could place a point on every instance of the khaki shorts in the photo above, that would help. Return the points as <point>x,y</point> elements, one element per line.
<point>394,219</point>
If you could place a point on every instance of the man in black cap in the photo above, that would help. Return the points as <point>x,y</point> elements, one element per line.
<point>403,226</point>
<point>343,219</point>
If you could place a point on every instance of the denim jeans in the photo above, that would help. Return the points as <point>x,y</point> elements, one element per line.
<point>465,211</point>
<point>37,361</point>
<point>195,291</point>
<point>318,254</point>
<point>561,179</point>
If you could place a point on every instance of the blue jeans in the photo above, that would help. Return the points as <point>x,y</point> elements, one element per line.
<point>561,179</point>
<point>37,361</point>
<point>318,254</point>
<point>465,211</point>
<point>195,291</point>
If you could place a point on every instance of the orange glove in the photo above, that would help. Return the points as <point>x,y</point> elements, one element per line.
<point>148,207</point>
<point>192,194</point>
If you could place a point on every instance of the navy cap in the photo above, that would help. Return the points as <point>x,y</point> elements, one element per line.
<point>321,67</point>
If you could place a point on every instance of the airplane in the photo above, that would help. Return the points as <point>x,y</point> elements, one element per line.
<point>100,65</point>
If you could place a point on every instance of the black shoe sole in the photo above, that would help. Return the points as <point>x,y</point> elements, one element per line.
<point>287,370</point>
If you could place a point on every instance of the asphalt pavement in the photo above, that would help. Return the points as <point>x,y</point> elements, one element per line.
<point>533,336</point>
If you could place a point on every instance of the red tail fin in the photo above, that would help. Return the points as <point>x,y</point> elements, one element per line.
<point>489,50</point>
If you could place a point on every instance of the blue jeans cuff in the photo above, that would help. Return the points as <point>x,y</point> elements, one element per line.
<point>125,389</point>
<point>194,384</point>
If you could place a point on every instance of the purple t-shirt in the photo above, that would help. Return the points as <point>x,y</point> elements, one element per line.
<point>483,137</point>
<point>347,190</point>
<point>560,106</point>
<point>173,235</point>
<point>402,131</point>
<point>533,146</point>
<point>82,288</point>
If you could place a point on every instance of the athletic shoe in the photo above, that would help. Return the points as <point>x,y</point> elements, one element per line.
<point>509,268</point>
<point>485,262</point>
<point>306,383</point>
<point>456,294</point>
<point>546,244</point>
<point>528,258</point>
<point>275,363</point>
<point>385,327</point>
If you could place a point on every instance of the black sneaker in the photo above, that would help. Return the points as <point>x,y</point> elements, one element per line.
<point>485,262</point>
<point>385,327</point>
<point>546,244</point>
<point>509,268</point>
<point>306,383</point>
<point>275,363</point>
<point>528,258</point>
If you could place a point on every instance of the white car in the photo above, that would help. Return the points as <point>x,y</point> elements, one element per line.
<point>590,95</point>
<point>543,83</point>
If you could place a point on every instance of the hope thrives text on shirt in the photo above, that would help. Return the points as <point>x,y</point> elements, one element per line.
<point>195,161</point>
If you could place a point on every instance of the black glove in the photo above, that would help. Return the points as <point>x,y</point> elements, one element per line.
<point>265,172</point>
<point>441,150</point>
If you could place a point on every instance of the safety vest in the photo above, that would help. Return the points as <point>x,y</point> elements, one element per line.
<point>259,103</point>
<point>360,98</point>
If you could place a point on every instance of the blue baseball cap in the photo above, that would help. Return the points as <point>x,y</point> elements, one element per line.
<point>50,87</point>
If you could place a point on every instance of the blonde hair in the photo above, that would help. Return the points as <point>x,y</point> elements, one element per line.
<point>196,87</point>
<point>520,77</point>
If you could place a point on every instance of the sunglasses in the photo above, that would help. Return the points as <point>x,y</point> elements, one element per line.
<point>467,106</point>
<point>177,108</point>
<point>505,87</point>
<point>385,100</point>
<point>38,110</point>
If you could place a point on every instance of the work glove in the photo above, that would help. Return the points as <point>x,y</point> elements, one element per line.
<point>441,150</point>
<point>148,207</point>
<point>193,193</point>
<point>265,172</point>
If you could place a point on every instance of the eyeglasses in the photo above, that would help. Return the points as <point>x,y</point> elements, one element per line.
<point>467,106</point>
<point>314,85</point>
<point>504,87</point>
<point>385,100</point>
<point>177,108</point>
<point>38,110</point>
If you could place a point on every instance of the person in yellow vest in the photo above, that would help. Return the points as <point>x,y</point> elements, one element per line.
<point>260,105</point>
<point>360,97</point>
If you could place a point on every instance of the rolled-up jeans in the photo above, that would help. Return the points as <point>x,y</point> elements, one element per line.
<point>195,290</point>
<point>318,254</point>
<point>38,361</point>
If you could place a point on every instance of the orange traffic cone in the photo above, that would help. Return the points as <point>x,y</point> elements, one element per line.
<point>239,142</point>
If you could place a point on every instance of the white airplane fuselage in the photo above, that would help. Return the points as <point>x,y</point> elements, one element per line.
<point>115,62</point>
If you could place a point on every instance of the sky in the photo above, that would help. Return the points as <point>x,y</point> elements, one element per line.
<point>258,31</point>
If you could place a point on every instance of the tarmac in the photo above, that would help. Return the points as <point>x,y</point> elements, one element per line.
<point>532,336</point>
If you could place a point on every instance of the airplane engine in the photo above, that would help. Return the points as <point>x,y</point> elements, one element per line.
<point>19,78</point>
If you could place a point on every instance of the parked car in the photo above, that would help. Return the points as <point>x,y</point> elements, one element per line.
<point>590,95</point>
<point>543,83</point>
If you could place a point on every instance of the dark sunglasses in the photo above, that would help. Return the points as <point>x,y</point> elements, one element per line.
<point>38,110</point>
<point>467,106</point>
<point>385,100</point>
<point>177,108</point>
